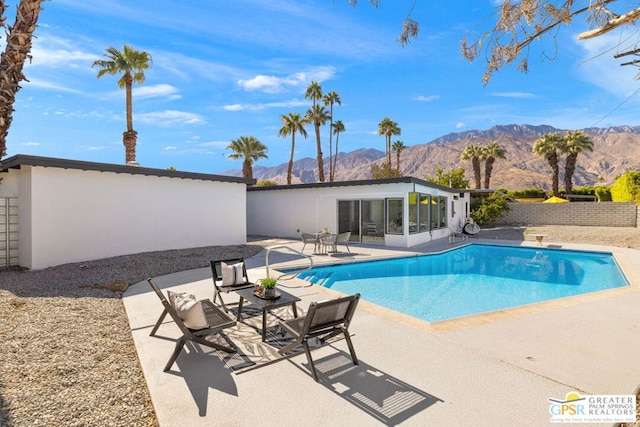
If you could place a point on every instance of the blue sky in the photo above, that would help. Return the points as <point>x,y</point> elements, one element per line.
<point>223,69</point>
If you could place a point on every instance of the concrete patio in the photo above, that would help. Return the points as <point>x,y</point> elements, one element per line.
<point>494,370</point>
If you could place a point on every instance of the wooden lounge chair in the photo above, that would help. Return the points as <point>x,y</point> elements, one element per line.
<point>216,319</point>
<point>324,320</point>
<point>216,271</point>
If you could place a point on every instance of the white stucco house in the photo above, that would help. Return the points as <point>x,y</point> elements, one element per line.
<point>58,211</point>
<point>400,212</point>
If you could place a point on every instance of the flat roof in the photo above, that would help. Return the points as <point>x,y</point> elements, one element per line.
<point>19,160</point>
<point>398,180</point>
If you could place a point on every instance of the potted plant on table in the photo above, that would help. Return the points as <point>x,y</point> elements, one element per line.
<point>268,285</point>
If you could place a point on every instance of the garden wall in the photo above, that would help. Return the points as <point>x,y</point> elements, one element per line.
<point>607,214</point>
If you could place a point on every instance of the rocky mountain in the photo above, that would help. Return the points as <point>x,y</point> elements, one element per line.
<point>616,151</point>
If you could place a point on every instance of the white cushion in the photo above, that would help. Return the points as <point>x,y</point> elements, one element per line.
<point>189,309</point>
<point>232,274</point>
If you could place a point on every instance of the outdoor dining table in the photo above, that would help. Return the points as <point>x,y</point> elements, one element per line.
<point>319,247</point>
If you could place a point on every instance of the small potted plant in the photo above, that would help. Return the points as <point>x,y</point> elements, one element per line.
<point>269,286</point>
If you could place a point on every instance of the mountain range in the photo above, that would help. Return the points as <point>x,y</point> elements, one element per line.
<point>616,150</point>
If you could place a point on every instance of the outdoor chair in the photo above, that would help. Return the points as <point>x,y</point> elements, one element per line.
<point>456,231</point>
<point>240,282</point>
<point>216,319</point>
<point>323,320</point>
<point>343,239</point>
<point>309,238</point>
<point>328,242</point>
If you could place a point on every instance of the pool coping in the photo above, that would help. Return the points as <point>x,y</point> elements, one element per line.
<point>620,255</point>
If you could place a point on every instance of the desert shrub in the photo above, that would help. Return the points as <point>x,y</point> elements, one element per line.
<point>626,188</point>
<point>487,210</point>
<point>603,194</point>
<point>266,183</point>
<point>529,193</point>
<point>384,171</point>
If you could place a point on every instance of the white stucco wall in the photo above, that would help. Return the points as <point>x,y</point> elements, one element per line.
<point>283,212</point>
<point>70,215</point>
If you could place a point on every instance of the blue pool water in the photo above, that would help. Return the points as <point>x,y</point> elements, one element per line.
<point>471,279</point>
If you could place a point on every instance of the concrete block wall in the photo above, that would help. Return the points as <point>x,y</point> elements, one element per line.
<point>607,214</point>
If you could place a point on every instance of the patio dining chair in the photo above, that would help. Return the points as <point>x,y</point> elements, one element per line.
<point>240,281</point>
<point>343,239</point>
<point>309,238</point>
<point>216,319</point>
<point>323,320</point>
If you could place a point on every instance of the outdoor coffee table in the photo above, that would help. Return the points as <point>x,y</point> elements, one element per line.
<point>266,304</point>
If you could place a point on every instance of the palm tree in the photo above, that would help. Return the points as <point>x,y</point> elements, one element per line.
<point>330,99</point>
<point>338,127</point>
<point>492,152</point>
<point>315,115</point>
<point>131,63</point>
<point>575,143</point>
<point>475,154</point>
<point>18,45</point>
<point>249,148</point>
<point>388,128</point>
<point>318,116</point>
<point>398,147</point>
<point>548,146</point>
<point>292,123</point>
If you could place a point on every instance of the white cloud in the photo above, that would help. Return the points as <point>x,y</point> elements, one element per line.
<point>96,148</point>
<point>159,90</point>
<point>513,94</point>
<point>170,147</point>
<point>233,107</point>
<point>602,70</point>
<point>52,51</point>
<point>428,98</point>
<point>259,107</point>
<point>170,118</point>
<point>43,84</point>
<point>460,125</point>
<point>31,144</point>
<point>274,84</point>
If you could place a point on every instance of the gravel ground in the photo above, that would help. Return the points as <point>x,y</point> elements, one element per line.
<point>66,353</point>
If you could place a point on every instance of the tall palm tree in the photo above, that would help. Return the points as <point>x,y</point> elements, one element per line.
<point>330,99</point>
<point>318,115</point>
<point>338,127</point>
<point>575,143</point>
<point>388,128</point>
<point>249,148</point>
<point>18,45</point>
<point>548,146</point>
<point>292,123</point>
<point>475,154</point>
<point>398,147</point>
<point>315,115</point>
<point>492,152</point>
<point>131,63</point>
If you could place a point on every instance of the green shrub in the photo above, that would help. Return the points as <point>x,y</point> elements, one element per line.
<point>266,183</point>
<point>529,193</point>
<point>626,188</point>
<point>487,210</point>
<point>603,194</point>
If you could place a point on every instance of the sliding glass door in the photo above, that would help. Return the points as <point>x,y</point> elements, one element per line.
<point>363,218</point>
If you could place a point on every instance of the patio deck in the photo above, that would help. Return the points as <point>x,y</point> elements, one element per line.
<point>488,372</point>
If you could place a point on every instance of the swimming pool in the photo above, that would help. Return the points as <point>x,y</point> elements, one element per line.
<point>473,279</point>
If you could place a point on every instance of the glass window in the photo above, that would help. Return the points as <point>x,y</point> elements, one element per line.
<point>423,212</point>
<point>443,211</point>
<point>395,214</point>
<point>413,213</point>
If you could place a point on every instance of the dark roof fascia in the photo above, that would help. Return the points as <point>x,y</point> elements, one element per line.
<point>399,180</point>
<point>15,162</point>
